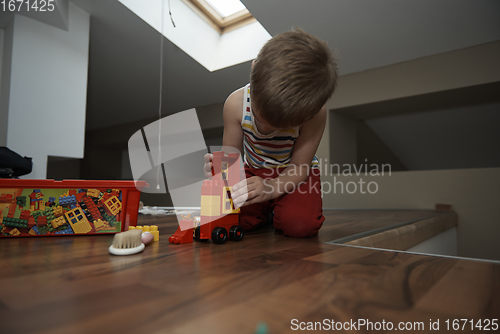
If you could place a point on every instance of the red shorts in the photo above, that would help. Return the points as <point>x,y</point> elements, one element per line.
<point>296,214</point>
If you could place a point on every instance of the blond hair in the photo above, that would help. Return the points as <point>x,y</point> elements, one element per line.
<point>293,76</point>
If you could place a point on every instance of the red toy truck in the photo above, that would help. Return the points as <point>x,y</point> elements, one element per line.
<point>219,218</point>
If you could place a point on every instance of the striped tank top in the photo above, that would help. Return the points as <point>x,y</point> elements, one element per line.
<point>272,150</point>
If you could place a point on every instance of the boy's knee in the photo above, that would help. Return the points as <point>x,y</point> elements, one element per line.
<point>297,225</point>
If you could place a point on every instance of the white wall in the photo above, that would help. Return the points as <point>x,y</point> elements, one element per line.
<point>3,127</point>
<point>465,137</point>
<point>1,54</point>
<point>48,89</point>
<point>5,81</point>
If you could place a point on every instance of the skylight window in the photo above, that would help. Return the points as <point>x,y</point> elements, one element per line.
<point>226,7</point>
<point>222,15</point>
<point>234,39</point>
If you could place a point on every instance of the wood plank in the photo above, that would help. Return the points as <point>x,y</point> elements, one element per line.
<point>407,236</point>
<point>72,284</point>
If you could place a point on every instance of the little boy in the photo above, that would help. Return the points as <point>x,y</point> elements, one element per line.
<point>277,121</point>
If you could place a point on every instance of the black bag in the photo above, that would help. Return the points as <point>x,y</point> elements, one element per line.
<point>12,164</point>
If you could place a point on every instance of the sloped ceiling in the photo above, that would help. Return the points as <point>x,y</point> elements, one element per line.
<point>124,50</point>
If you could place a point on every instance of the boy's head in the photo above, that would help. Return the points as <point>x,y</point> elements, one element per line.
<point>292,77</point>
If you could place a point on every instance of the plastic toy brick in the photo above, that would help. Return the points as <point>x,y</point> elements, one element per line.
<point>110,219</point>
<point>102,225</point>
<point>58,222</point>
<point>210,205</point>
<point>48,213</point>
<point>79,196</point>
<point>12,211</point>
<point>25,214</point>
<point>58,211</point>
<point>6,198</point>
<point>31,221</point>
<point>153,229</point>
<point>67,200</point>
<point>15,232</point>
<point>15,222</point>
<point>21,201</point>
<point>112,205</point>
<point>78,221</point>
<point>182,237</point>
<point>41,221</point>
<point>93,193</point>
<point>65,231</point>
<point>91,207</point>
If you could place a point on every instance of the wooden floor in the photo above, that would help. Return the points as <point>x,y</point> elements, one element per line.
<point>72,284</point>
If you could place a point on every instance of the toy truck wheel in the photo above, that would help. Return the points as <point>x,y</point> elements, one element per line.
<point>219,235</point>
<point>236,233</point>
<point>197,233</point>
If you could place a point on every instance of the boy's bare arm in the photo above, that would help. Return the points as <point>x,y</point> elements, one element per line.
<point>305,147</point>
<point>233,134</point>
<point>233,111</point>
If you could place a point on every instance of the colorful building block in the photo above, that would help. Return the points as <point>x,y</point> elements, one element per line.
<point>6,198</point>
<point>36,200</point>
<point>58,222</point>
<point>15,232</point>
<point>15,222</point>
<point>25,214</point>
<point>67,200</point>
<point>58,211</point>
<point>112,206</point>
<point>153,229</point>
<point>41,221</point>
<point>78,221</point>
<point>93,193</point>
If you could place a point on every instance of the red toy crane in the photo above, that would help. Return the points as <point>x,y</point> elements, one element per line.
<point>219,218</point>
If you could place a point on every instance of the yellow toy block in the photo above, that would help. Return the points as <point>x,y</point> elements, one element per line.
<point>32,232</point>
<point>59,221</point>
<point>78,221</point>
<point>210,205</point>
<point>93,192</point>
<point>58,211</point>
<point>155,232</point>
<point>101,225</point>
<point>113,204</point>
<point>15,232</point>
<point>153,229</point>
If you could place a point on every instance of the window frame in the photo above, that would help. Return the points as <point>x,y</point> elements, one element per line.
<point>221,24</point>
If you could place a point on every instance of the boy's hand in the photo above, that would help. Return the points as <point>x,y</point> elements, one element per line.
<point>207,167</point>
<point>252,190</point>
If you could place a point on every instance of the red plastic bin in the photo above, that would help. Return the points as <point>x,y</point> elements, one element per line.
<point>68,207</point>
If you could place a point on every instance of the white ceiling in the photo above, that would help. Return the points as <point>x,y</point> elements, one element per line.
<point>124,50</point>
